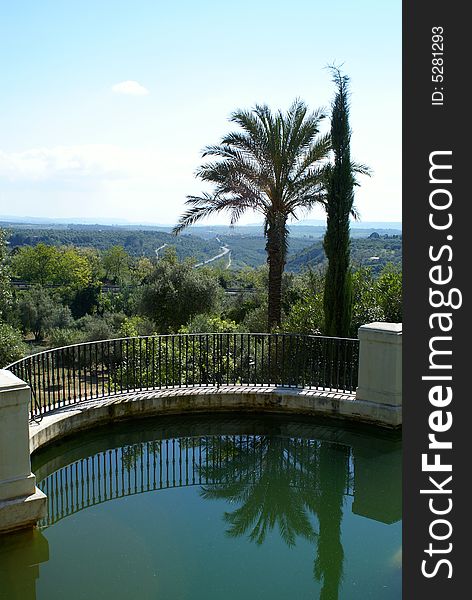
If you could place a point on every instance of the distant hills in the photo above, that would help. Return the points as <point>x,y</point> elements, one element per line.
<point>303,227</point>
<point>242,246</point>
<point>373,252</point>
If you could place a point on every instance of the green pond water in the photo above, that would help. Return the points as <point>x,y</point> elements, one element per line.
<point>213,508</point>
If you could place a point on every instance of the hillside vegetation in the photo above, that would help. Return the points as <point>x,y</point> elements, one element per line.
<point>246,250</point>
<point>70,294</point>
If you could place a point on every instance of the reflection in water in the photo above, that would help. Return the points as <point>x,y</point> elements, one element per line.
<point>265,477</point>
<point>330,553</point>
<point>282,481</point>
<point>20,556</point>
<point>293,481</point>
<point>279,477</point>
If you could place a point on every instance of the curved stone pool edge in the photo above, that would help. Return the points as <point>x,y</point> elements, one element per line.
<point>72,418</point>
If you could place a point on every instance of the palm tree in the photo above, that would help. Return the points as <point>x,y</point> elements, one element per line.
<point>274,165</point>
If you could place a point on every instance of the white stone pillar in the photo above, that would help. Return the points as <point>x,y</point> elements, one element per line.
<point>22,504</point>
<point>380,366</point>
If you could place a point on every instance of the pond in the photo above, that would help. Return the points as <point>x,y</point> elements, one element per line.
<point>205,508</point>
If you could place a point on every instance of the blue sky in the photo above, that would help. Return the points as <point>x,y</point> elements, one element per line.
<point>106,105</point>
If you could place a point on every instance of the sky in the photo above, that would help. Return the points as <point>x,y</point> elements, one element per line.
<point>106,106</point>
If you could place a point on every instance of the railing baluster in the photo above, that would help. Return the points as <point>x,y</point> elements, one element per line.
<point>63,376</point>
<point>180,362</point>
<point>126,361</point>
<point>68,353</point>
<point>102,363</point>
<point>186,361</point>
<point>173,360</point>
<point>42,384</point>
<point>153,363</point>
<point>84,365</point>
<point>119,365</point>
<point>160,362</point>
<point>108,369</point>
<point>213,356</point>
<point>79,362</point>
<point>256,344</point>
<point>140,364</point>
<point>96,369</point>
<point>194,360</point>
<point>135,386</point>
<point>167,359</point>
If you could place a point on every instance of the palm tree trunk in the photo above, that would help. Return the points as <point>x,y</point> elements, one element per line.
<point>276,233</point>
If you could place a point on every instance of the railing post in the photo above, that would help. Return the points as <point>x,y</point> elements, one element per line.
<point>380,367</point>
<point>22,504</point>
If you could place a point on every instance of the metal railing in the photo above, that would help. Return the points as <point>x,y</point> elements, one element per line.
<point>91,370</point>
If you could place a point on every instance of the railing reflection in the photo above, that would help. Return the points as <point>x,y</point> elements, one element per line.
<point>182,462</point>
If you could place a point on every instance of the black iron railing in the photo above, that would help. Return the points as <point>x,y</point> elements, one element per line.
<point>72,374</point>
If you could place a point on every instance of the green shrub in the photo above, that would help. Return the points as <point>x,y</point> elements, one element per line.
<point>209,324</point>
<point>12,346</point>
<point>305,316</point>
<point>64,337</point>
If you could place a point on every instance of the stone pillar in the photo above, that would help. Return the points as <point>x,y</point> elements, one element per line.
<point>380,366</point>
<point>22,504</point>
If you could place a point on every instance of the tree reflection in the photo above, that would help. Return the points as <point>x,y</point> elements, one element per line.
<point>283,482</point>
<point>329,559</point>
<point>260,473</point>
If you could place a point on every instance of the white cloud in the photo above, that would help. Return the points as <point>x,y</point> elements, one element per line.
<point>130,88</point>
<point>94,163</point>
<point>97,180</point>
<point>90,161</point>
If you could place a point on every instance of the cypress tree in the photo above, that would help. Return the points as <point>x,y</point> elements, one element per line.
<point>340,183</point>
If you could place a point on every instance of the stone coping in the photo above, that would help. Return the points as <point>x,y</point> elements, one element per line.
<point>86,414</point>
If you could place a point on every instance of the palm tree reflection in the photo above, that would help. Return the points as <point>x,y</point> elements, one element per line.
<point>286,483</point>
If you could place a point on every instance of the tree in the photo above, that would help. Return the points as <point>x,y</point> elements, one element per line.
<point>274,167</point>
<point>86,300</point>
<point>6,294</point>
<point>12,346</point>
<point>35,264</point>
<point>115,262</point>
<point>365,302</point>
<point>340,182</point>
<point>141,269</point>
<point>52,265</point>
<point>389,292</point>
<point>305,314</point>
<point>40,313</point>
<point>176,292</point>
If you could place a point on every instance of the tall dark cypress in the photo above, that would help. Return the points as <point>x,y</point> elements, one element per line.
<point>340,183</point>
